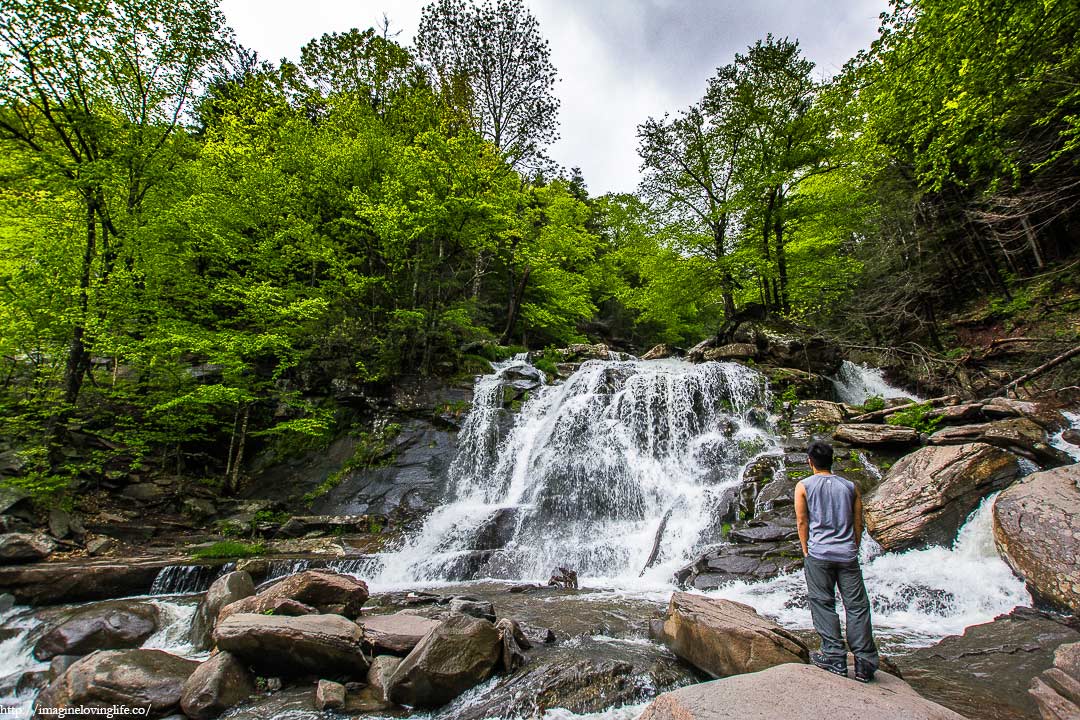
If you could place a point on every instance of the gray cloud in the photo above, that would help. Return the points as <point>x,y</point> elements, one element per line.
<point>619,61</point>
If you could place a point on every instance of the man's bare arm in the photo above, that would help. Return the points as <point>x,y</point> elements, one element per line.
<point>802,517</point>
<point>858,511</point>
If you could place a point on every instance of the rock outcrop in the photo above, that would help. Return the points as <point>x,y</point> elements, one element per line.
<point>396,634</point>
<point>1057,690</point>
<point>327,645</point>
<point>927,495</point>
<point>873,435</point>
<point>1037,531</point>
<point>1019,435</point>
<point>113,625</point>
<point>152,679</point>
<point>796,692</point>
<point>226,590</point>
<point>722,638</point>
<point>461,652</point>
<point>216,685</point>
<point>324,590</point>
<point>20,547</point>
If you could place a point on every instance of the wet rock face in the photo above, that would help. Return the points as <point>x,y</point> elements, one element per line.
<point>722,638</point>
<point>142,678</point>
<point>462,652</point>
<point>1057,690</point>
<point>1019,435</point>
<point>796,692</point>
<point>986,672</point>
<point>106,626</point>
<point>927,495</point>
<point>216,685</point>
<point>1037,531</point>
<point>327,645</point>
<point>749,559</point>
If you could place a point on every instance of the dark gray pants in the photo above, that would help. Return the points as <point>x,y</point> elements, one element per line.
<point>822,579</point>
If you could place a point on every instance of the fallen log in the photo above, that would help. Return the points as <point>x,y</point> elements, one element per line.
<point>1045,367</point>
<point>656,542</point>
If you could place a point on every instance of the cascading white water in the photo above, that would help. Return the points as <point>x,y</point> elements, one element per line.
<point>856,383</point>
<point>918,595</point>
<point>585,474</point>
<point>1064,445</point>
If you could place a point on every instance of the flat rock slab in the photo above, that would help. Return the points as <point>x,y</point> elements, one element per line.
<point>871,435</point>
<point>315,644</point>
<point>1037,531</point>
<point>396,634</point>
<point>796,692</point>
<point>722,637</point>
<point>986,672</point>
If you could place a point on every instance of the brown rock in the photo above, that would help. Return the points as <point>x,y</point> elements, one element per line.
<point>660,352</point>
<point>873,435</point>
<point>396,634</point>
<point>329,695</point>
<point>275,645</point>
<point>1018,435</point>
<point>21,547</point>
<point>462,652</point>
<point>927,495</point>
<point>216,685</point>
<point>820,412</point>
<point>151,679</point>
<point>722,638</point>
<point>1037,531</point>
<point>225,590</point>
<point>324,590</point>
<point>514,644</point>
<point>734,351</point>
<point>796,692</point>
<point>111,625</point>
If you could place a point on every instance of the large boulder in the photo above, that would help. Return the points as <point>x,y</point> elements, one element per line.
<point>986,672</point>
<point>226,590</point>
<point>460,653</point>
<point>151,679</point>
<point>796,692</point>
<point>216,685</point>
<point>113,625</point>
<point>722,637</point>
<point>750,561</point>
<point>660,352</point>
<point>19,547</point>
<point>1037,531</point>
<point>327,645</point>
<point>396,634</point>
<point>927,495</point>
<point>872,435</point>
<point>1057,690</point>
<point>1019,435</point>
<point>324,590</point>
<point>734,351</point>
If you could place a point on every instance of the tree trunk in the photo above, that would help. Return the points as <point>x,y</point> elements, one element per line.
<point>781,267</point>
<point>515,306</point>
<point>234,482</point>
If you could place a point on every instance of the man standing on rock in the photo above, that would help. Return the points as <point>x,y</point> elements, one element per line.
<point>829,511</point>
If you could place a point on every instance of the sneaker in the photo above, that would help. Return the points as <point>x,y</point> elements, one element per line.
<point>837,667</point>
<point>864,671</point>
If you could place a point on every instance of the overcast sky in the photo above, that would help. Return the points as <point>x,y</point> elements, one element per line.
<point>619,61</point>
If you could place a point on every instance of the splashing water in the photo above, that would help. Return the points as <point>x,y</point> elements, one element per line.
<point>856,383</point>
<point>918,595</point>
<point>584,476</point>
<point>1064,445</point>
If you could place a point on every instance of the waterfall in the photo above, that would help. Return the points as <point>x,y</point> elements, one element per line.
<point>1061,443</point>
<point>855,383</point>
<point>183,579</point>
<point>584,474</point>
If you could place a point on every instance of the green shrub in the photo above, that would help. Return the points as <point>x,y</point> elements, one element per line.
<point>229,549</point>
<point>873,404</point>
<point>917,417</point>
<point>547,365</point>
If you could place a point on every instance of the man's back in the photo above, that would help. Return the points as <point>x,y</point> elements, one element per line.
<point>830,500</point>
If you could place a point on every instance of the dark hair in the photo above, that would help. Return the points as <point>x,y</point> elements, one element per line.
<point>820,453</point>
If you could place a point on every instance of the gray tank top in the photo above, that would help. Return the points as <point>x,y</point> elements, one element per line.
<point>831,501</point>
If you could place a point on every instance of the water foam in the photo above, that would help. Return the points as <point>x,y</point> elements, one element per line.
<point>1064,445</point>
<point>856,383</point>
<point>918,595</point>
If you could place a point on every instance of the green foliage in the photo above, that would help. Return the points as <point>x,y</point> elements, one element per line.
<point>873,404</point>
<point>918,416</point>
<point>229,549</point>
